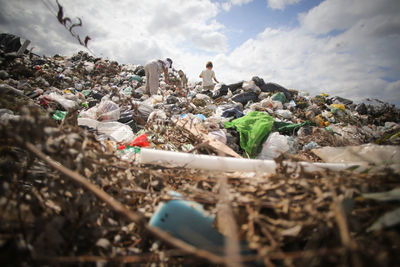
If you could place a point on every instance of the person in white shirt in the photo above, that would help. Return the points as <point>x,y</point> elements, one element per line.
<point>207,75</point>
<point>153,70</point>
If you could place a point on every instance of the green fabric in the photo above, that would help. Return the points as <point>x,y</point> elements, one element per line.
<point>59,115</point>
<point>253,129</point>
<point>289,128</point>
<point>279,97</point>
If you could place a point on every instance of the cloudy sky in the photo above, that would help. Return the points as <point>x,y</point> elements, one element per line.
<point>348,48</point>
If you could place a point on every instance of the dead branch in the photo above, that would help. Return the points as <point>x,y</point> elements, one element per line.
<point>227,222</point>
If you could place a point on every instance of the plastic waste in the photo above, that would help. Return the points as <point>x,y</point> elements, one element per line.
<point>145,111</point>
<point>117,131</point>
<point>251,85</point>
<point>269,103</point>
<point>320,121</point>
<point>88,122</point>
<point>273,87</point>
<point>339,106</point>
<point>232,112</point>
<point>108,111</point>
<point>362,109</point>
<point>284,113</point>
<point>279,97</point>
<point>369,154</point>
<point>136,78</point>
<point>128,153</point>
<point>274,146</point>
<point>203,97</point>
<point>59,115</point>
<point>140,141</point>
<point>290,128</point>
<point>245,97</point>
<point>215,163</point>
<point>218,135</point>
<point>127,91</point>
<point>235,86</point>
<point>291,104</point>
<point>254,127</point>
<point>91,113</point>
<point>154,99</point>
<point>188,221</point>
<point>67,104</point>
<point>310,146</point>
<point>171,99</point>
<point>78,86</point>
<point>218,92</point>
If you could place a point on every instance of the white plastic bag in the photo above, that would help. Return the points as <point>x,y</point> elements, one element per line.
<point>218,135</point>
<point>88,122</point>
<point>275,145</point>
<point>108,111</point>
<point>284,113</point>
<point>249,85</point>
<point>145,111</point>
<point>117,131</point>
<point>65,103</point>
<point>91,113</point>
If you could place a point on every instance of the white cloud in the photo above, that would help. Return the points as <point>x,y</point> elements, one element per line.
<point>281,4</point>
<point>240,2</point>
<point>342,14</point>
<point>226,6</point>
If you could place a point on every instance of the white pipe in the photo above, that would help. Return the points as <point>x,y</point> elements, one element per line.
<point>205,162</point>
<point>226,164</point>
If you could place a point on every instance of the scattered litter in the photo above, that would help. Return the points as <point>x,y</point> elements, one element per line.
<point>286,156</point>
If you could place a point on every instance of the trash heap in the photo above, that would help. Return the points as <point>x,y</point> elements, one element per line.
<point>252,173</point>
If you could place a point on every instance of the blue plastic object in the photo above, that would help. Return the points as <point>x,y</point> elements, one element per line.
<point>188,221</point>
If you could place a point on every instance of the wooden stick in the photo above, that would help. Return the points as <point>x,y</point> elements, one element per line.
<point>217,146</point>
<point>199,146</point>
<point>341,221</point>
<point>226,221</point>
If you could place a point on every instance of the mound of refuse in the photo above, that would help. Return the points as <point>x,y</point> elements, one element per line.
<point>96,170</point>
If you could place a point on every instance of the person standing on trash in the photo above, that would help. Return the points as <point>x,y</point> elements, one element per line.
<point>153,70</point>
<point>207,75</point>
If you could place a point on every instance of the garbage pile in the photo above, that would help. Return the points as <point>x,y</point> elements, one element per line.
<point>249,173</point>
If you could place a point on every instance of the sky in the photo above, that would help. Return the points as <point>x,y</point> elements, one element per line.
<point>347,48</point>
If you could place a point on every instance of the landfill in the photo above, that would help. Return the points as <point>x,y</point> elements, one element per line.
<point>95,171</point>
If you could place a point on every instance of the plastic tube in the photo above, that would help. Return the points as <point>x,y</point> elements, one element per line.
<point>227,164</point>
<point>205,162</point>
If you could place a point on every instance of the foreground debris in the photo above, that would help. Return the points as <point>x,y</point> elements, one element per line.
<point>75,191</point>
